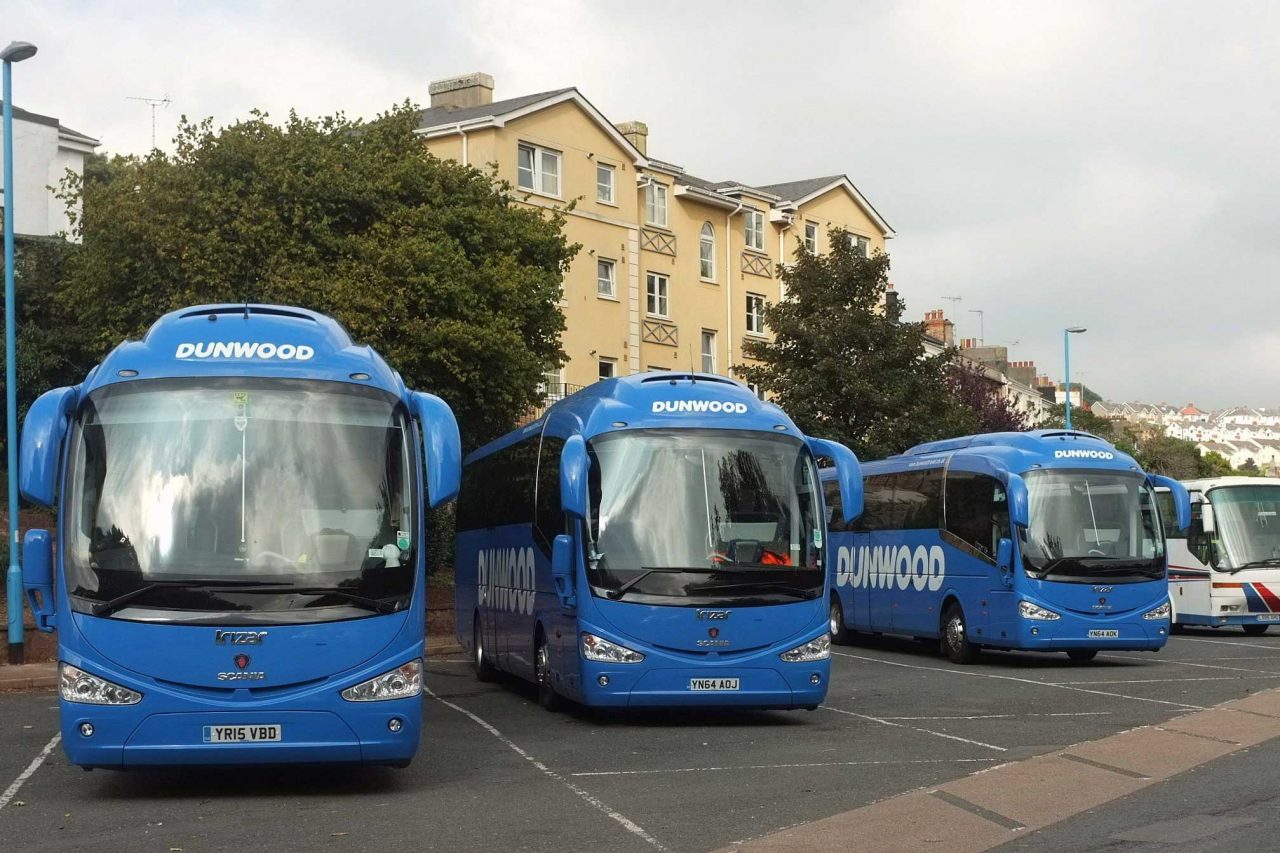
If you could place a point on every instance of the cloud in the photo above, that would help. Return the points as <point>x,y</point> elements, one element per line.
<point>1093,163</point>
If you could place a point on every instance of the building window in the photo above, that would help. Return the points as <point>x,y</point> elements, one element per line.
<point>861,246</point>
<point>604,183</point>
<point>655,288</point>
<point>755,230</point>
<point>606,279</point>
<point>608,367</point>
<point>755,314</point>
<point>538,170</point>
<point>811,237</point>
<point>755,389</point>
<point>655,197</point>
<point>552,385</point>
<point>707,253</point>
<point>708,351</point>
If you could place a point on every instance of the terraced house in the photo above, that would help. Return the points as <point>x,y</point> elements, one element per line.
<point>674,269</point>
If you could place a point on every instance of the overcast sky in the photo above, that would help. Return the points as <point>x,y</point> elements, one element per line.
<point>1112,165</point>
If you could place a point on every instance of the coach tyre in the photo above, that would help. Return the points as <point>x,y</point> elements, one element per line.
<point>955,636</point>
<point>480,660</point>
<point>547,695</point>
<point>1082,655</point>
<point>839,633</point>
<point>1254,630</point>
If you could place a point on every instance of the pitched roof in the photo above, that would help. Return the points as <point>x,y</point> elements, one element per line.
<point>793,190</point>
<point>439,116</point>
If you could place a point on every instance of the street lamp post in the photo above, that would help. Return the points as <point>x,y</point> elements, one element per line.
<point>15,52</point>
<point>1066,358</point>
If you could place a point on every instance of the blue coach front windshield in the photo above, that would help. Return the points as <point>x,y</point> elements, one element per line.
<point>681,516</point>
<point>1088,525</point>
<point>183,494</point>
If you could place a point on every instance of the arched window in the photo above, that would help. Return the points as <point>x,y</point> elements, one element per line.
<point>707,253</point>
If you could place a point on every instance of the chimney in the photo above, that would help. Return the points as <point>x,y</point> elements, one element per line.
<point>467,90</point>
<point>637,133</point>
<point>938,327</point>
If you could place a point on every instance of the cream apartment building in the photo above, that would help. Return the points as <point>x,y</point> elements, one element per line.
<point>674,269</point>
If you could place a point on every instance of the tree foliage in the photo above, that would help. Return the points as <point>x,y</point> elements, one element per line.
<point>843,364</point>
<point>424,259</point>
<point>985,398</point>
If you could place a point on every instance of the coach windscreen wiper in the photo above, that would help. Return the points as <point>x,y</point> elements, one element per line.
<point>105,608</point>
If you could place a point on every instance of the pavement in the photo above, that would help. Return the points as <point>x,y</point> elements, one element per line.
<point>1135,751</point>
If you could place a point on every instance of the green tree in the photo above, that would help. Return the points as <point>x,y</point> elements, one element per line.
<point>844,365</point>
<point>1214,464</point>
<point>426,260</point>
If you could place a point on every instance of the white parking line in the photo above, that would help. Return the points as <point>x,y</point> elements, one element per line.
<point>1022,681</point>
<point>1116,656</point>
<point>626,823</point>
<point>1161,680</point>
<point>12,790</point>
<point>784,766</point>
<point>1007,716</point>
<point>1229,643</point>
<point>882,721</point>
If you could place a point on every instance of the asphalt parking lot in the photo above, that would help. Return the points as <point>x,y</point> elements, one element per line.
<point>496,772</point>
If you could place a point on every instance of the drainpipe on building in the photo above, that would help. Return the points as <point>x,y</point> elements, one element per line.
<point>466,161</point>
<point>728,279</point>
<point>782,256</point>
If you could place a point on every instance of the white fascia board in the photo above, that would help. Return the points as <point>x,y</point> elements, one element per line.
<point>704,197</point>
<point>857,197</point>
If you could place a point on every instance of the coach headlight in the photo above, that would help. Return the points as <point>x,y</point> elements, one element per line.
<point>819,648</point>
<point>598,648</point>
<point>1161,612</point>
<point>403,682</point>
<point>1034,611</point>
<point>76,685</point>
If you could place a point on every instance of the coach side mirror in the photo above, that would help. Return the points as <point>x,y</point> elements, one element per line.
<point>1206,518</point>
<point>573,477</point>
<point>444,447</point>
<point>1004,559</point>
<point>848,475</point>
<point>562,569</point>
<point>1181,500</point>
<point>1019,512</point>
<point>37,577</point>
<point>42,432</point>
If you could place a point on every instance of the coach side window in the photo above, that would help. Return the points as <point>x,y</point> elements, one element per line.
<point>835,514</point>
<point>877,505</point>
<point>918,497</point>
<point>977,513</point>
<point>549,521</point>
<point>499,489</point>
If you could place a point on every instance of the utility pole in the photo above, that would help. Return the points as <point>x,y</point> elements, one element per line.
<point>153,103</point>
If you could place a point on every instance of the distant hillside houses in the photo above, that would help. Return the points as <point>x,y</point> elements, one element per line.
<point>1241,434</point>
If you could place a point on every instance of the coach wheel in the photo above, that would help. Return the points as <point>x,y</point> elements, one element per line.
<point>547,695</point>
<point>1082,655</point>
<point>839,633</point>
<point>479,658</point>
<point>955,637</point>
<point>1255,630</point>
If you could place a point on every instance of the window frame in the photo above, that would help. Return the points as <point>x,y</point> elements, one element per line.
<point>753,300</point>
<point>811,240</point>
<point>537,171</point>
<point>662,299</point>
<point>603,361</point>
<point>709,262</point>
<point>753,226</point>
<point>613,279</point>
<point>705,336</point>
<point>612,170</point>
<point>651,194</point>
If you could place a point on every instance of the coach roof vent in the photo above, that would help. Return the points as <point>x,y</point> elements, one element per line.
<point>247,310</point>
